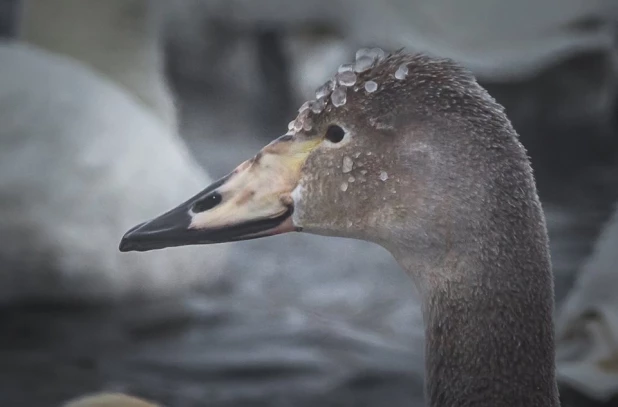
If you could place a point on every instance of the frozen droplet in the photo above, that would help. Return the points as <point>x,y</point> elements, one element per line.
<point>363,64</point>
<point>298,125</point>
<point>307,125</point>
<point>291,125</point>
<point>371,86</point>
<point>401,72</point>
<point>318,105</point>
<point>347,78</point>
<point>344,186</point>
<point>338,97</point>
<point>377,53</point>
<point>351,179</point>
<point>304,107</point>
<point>325,89</point>
<point>345,68</point>
<point>383,175</point>
<point>363,52</point>
<point>347,164</point>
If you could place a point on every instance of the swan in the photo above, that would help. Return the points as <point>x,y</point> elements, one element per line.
<point>85,113</point>
<point>407,151</point>
<point>587,323</point>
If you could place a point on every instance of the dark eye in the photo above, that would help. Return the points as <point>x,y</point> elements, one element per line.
<point>207,203</point>
<point>334,133</point>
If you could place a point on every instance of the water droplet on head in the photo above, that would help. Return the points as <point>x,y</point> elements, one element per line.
<point>291,125</point>
<point>363,64</point>
<point>383,175</point>
<point>347,164</point>
<point>338,97</point>
<point>325,89</point>
<point>304,107</point>
<point>377,53</point>
<point>307,125</point>
<point>318,105</point>
<point>344,186</point>
<point>371,86</point>
<point>345,68</point>
<point>363,52</point>
<point>401,72</point>
<point>298,125</point>
<point>347,78</point>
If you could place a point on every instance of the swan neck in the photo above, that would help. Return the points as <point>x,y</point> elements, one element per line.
<point>489,329</point>
<point>117,38</point>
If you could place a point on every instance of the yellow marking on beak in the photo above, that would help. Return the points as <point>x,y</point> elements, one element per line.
<point>259,188</point>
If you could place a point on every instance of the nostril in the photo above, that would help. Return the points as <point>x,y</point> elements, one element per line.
<point>210,201</point>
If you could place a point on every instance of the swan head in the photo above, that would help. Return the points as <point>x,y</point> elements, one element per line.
<point>394,148</point>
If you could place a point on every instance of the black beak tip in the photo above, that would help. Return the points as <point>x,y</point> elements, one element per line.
<point>128,243</point>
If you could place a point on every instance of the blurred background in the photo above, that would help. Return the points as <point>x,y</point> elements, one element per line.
<point>114,111</point>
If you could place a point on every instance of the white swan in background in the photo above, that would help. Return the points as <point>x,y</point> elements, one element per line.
<point>587,324</point>
<point>118,38</point>
<point>88,139</point>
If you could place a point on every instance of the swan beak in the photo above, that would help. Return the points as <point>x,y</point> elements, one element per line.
<point>253,201</point>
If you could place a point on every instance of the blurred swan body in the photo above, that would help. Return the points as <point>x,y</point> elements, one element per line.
<point>587,325</point>
<point>117,38</point>
<point>83,156</point>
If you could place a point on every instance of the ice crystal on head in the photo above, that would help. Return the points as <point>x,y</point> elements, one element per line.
<point>362,52</point>
<point>318,105</point>
<point>371,86</point>
<point>304,107</point>
<point>338,97</point>
<point>345,68</point>
<point>363,64</point>
<point>347,78</point>
<point>377,54</point>
<point>401,72</point>
<point>324,90</point>
<point>347,165</point>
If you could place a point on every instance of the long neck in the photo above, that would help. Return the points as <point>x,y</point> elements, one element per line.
<point>489,329</point>
<point>118,38</point>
